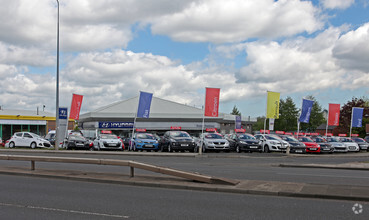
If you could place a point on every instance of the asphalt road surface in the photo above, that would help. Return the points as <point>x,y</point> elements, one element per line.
<point>254,166</point>
<point>47,198</point>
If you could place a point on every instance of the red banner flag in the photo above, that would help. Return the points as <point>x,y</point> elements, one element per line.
<point>76,106</point>
<point>334,114</point>
<point>212,102</point>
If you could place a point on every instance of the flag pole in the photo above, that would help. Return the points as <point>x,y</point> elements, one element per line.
<point>352,115</point>
<point>202,126</point>
<point>326,128</point>
<point>134,123</point>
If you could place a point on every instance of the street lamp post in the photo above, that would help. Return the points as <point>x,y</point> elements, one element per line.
<point>57,86</point>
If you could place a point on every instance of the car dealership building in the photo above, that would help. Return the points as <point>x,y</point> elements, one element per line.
<point>164,115</point>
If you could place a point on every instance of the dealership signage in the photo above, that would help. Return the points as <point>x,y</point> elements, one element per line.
<point>106,124</point>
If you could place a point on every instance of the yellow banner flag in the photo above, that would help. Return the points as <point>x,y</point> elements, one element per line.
<point>273,105</point>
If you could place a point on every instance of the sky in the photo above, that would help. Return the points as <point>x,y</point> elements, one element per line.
<point>110,50</point>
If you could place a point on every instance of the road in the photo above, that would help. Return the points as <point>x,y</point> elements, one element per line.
<point>254,166</point>
<point>47,198</point>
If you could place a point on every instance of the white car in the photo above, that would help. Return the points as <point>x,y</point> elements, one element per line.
<point>271,142</point>
<point>27,139</point>
<point>214,141</point>
<point>108,142</point>
<point>352,146</point>
<point>338,146</point>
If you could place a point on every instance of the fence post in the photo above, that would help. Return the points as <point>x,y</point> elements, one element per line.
<point>132,171</point>
<point>32,165</point>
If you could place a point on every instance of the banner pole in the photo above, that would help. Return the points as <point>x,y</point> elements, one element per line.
<point>352,115</point>
<point>326,128</point>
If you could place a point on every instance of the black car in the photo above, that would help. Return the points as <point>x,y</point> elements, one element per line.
<point>77,141</point>
<point>244,142</point>
<point>295,145</point>
<point>362,143</point>
<point>325,147</point>
<point>177,141</point>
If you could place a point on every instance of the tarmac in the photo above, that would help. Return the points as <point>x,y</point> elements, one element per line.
<point>255,187</point>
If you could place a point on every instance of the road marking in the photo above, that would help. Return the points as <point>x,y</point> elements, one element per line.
<point>301,174</point>
<point>64,210</point>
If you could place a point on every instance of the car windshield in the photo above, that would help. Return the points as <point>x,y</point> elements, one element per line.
<point>213,136</point>
<point>75,136</point>
<point>346,140</point>
<point>270,137</point>
<point>306,139</point>
<point>179,134</point>
<point>145,136</point>
<point>289,138</point>
<point>359,140</point>
<point>246,137</point>
<point>332,139</point>
<point>320,140</point>
<point>108,136</point>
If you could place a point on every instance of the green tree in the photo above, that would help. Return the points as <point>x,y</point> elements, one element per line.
<point>259,125</point>
<point>288,114</point>
<point>316,117</point>
<point>235,111</point>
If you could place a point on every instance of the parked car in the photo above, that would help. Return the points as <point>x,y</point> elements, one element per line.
<point>244,142</point>
<point>77,141</point>
<point>271,142</point>
<point>362,143</point>
<point>51,137</point>
<point>107,142</point>
<point>177,141</point>
<point>311,146</point>
<point>27,139</point>
<point>295,145</point>
<point>366,139</point>
<point>144,141</point>
<point>325,147</point>
<point>338,146</point>
<point>352,146</point>
<point>213,142</point>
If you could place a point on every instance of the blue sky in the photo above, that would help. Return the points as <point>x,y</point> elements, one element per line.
<point>111,50</point>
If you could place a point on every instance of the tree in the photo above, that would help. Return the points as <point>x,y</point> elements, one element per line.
<point>235,111</point>
<point>288,116</point>
<point>259,125</point>
<point>316,117</point>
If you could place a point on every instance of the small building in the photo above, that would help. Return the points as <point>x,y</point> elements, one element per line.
<point>38,122</point>
<point>119,117</point>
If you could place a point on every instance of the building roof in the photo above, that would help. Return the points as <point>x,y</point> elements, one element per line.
<point>160,108</point>
<point>26,113</point>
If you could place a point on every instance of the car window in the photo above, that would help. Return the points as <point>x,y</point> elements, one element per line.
<point>145,136</point>
<point>359,140</point>
<point>179,134</point>
<point>213,136</point>
<point>306,139</point>
<point>18,134</point>
<point>108,136</point>
<point>246,137</point>
<point>26,135</point>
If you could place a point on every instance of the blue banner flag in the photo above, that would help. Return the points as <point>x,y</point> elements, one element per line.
<point>307,105</point>
<point>238,122</point>
<point>357,117</point>
<point>144,104</point>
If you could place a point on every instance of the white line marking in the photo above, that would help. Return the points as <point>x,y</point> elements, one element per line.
<point>301,174</point>
<point>64,210</point>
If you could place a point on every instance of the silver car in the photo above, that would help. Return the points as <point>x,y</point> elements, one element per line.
<point>213,142</point>
<point>338,146</point>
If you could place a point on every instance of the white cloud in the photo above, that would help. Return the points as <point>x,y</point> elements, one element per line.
<point>238,20</point>
<point>337,4</point>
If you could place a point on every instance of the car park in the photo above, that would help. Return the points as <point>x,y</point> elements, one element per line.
<point>325,147</point>
<point>213,141</point>
<point>27,139</point>
<point>311,146</point>
<point>107,141</point>
<point>176,140</point>
<point>271,142</point>
<point>337,145</point>
<point>77,141</point>
<point>362,143</point>
<point>295,145</point>
<point>243,142</point>
<point>144,141</point>
<point>352,146</point>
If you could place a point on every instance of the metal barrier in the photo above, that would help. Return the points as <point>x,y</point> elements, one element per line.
<point>131,164</point>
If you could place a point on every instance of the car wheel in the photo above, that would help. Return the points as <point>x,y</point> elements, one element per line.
<point>162,148</point>
<point>33,145</point>
<point>170,148</point>
<point>11,145</point>
<point>238,150</point>
<point>203,149</point>
<point>266,149</point>
<point>91,149</point>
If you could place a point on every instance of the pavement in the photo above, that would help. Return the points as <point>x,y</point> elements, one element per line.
<point>255,187</point>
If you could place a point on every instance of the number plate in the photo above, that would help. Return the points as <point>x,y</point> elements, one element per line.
<point>253,146</point>
<point>298,151</point>
<point>149,145</point>
<point>312,148</point>
<point>184,145</point>
<point>112,144</point>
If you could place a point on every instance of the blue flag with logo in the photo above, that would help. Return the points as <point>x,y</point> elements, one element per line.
<point>307,105</point>
<point>144,104</point>
<point>357,117</point>
<point>238,122</point>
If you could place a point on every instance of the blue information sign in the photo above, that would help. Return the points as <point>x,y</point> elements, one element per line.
<point>63,113</point>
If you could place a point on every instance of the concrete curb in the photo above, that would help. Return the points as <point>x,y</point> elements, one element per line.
<point>349,166</point>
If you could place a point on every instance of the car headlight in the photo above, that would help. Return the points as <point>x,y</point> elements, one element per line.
<point>172,140</point>
<point>139,141</point>
<point>318,145</point>
<point>274,142</point>
<point>243,142</point>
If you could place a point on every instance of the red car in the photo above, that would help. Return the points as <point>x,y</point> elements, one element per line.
<point>311,146</point>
